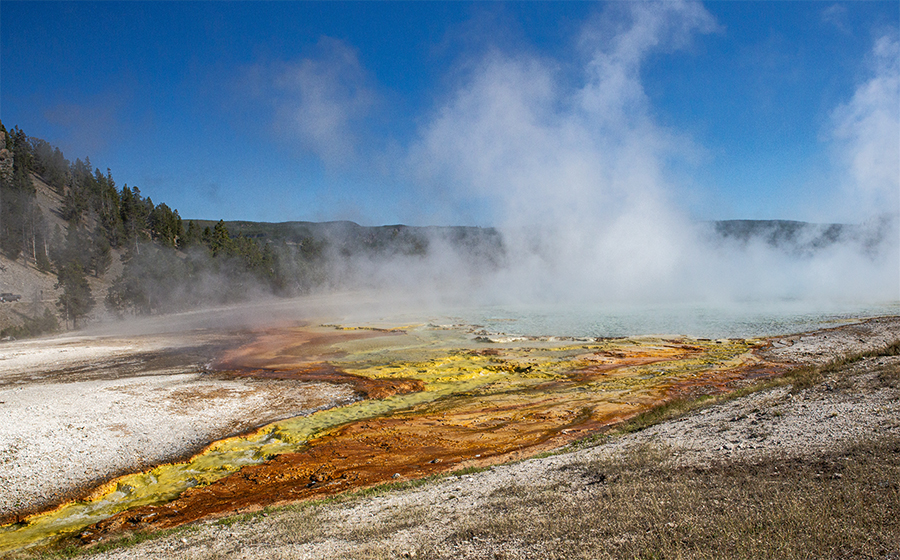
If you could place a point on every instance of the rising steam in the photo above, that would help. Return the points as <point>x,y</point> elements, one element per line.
<point>581,178</point>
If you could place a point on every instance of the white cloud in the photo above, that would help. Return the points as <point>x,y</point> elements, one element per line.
<point>836,15</point>
<point>321,102</point>
<point>619,47</point>
<point>576,172</point>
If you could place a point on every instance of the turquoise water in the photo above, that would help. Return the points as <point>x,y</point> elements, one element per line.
<point>700,320</point>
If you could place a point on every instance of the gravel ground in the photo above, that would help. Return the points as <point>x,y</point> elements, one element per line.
<point>769,424</point>
<point>79,410</point>
<point>818,347</point>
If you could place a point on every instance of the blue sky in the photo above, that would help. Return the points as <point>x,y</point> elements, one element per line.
<point>467,113</point>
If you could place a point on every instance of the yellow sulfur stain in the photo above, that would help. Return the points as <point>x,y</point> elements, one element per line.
<point>493,387</point>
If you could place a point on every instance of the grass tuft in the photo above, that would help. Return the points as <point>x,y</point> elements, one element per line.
<point>805,377</point>
<point>72,548</point>
<point>468,470</point>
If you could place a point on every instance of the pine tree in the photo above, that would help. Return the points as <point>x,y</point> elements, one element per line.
<point>220,242</point>
<point>76,300</point>
<point>17,211</point>
<point>100,253</point>
<point>190,237</point>
<point>110,216</point>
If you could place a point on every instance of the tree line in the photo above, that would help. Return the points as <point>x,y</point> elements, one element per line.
<point>167,264</point>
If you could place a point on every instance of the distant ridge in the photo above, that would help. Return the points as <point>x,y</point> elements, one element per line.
<point>783,232</point>
<point>799,237</point>
<point>350,238</point>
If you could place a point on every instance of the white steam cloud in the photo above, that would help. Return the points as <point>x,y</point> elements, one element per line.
<point>576,173</point>
<point>867,130</point>
<point>579,177</point>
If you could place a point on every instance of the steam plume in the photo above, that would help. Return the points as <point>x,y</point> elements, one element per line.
<point>581,177</point>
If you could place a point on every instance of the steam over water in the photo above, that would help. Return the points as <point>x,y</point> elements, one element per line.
<point>749,279</point>
<point>704,321</point>
<point>592,196</point>
<point>585,185</point>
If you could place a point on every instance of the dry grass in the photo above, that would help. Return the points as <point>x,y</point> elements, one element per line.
<point>806,377</point>
<point>845,505</point>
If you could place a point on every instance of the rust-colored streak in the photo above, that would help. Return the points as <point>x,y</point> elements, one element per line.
<point>327,373</point>
<point>300,354</point>
<point>359,455</point>
<point>290,348</point>
<point>470,429</point>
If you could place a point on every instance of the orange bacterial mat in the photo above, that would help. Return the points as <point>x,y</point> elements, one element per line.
<point>432,400</point>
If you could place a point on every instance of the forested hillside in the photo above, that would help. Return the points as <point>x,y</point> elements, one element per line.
<point>79,247</point>
<point>71,222</point>
<point>75,247</point>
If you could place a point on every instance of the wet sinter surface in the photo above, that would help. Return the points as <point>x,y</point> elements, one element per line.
<point>431,399</point>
